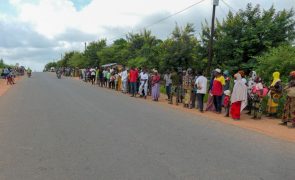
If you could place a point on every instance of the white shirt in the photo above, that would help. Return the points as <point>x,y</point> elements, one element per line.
<point>201,83</point>
<point>144,78</point>
<point>167,78</point>
<point>124,75</point>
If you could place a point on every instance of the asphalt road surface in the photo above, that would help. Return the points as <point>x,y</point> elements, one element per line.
<point>53,129</point>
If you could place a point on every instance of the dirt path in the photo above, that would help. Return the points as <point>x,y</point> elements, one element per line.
<point>265,126</point>
<point>4,87</point>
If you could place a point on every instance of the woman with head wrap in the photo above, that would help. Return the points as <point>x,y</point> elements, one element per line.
<point>274,94</point>
<point>238,98</point>
<point>289,108</point>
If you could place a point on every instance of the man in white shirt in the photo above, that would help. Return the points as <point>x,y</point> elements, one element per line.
<point>168,83</point>
<point>124,77</point>
<point>201,84</point>
<point>143,83</point>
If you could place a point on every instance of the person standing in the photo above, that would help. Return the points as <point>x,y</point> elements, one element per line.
<point>105,72</point>
<point>108,77</point>
<point>92,75</point>
<point>289,108</point>
<point>257,94</point>
<point>251,84</point>
<point>226,102</point>
<point>101,78</point>
<point>144,77</point>
<point>238,98</point>
<point>124,77</point>
<point>210,104</point>
<point>217,90</point>
<point>275,94</point>
<point>201,84</point>
<point>156,86</point>
<point>168,83</point>
<point>97,76</point>
<point>119,88</point>
<point>133,81</point>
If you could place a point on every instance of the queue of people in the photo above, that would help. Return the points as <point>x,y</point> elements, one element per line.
<point>9,74</point>
<point>223,92</point>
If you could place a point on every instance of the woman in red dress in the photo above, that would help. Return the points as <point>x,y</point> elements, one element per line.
<point>238,98</point>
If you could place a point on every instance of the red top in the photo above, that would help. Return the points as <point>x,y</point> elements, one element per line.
<point>156,79</point>
<point>133,75</point>
<point>217,88</point>
<point>226,101</point>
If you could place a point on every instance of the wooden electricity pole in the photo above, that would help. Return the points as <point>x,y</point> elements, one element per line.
<point>210,50</point>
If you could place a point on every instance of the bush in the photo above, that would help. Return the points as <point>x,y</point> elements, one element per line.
<point>280,59</point>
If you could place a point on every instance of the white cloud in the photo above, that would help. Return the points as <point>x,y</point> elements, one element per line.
<point>51,27</point>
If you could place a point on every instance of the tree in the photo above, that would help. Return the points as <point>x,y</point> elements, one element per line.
<point>50,64</point>
<point>2,65</point>
<point>91,52</point>
<point>240,37</point>
<point>180,50</point>
<point>78,60</point>
<point>144,45</point>
<point>280,59</point>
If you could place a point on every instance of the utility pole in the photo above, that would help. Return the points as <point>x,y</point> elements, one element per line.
<point>210,53</point>
<point>85,46</point>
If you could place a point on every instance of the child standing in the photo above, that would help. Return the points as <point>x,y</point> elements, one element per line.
<point>226,102</point>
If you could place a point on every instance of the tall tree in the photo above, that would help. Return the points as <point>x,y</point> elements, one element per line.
<point>91,52</point>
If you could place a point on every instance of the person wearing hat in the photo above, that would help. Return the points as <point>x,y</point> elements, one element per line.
<point>289,108</point>
<point>217,90</point>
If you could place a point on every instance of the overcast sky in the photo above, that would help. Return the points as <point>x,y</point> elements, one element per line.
<point>34,32</point>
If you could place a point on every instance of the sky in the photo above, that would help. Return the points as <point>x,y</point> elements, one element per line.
<point>35,32</point>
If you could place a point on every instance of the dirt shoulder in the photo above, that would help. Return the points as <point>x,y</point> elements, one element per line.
<point>4,87</point>
<point>266,126</point>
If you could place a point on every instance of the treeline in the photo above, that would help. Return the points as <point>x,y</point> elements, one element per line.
<point>252,38</point>
<point>2,64</point>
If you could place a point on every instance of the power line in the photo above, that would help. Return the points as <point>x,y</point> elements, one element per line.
<point>229,6</point>
<point>165,18</point>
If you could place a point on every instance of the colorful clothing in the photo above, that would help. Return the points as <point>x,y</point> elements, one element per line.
<point>235,110</point>
<point>274,93</point>
<point>239,97</point>
<point>289,108</point>
<point>256,98</point>
<point>133,75</point>
<point>155,87</point>
<point>217,87</point>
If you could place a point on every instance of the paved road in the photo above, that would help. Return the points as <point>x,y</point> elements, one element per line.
<point>67,130</point>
